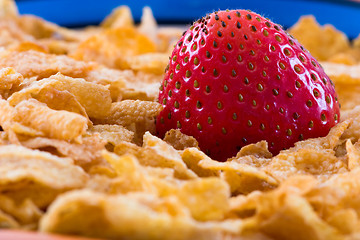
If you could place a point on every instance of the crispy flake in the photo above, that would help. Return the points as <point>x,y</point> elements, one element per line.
<point>322,42</point>
<point>128,112</point>
<point>54,124</point>
<point>94,98</point>
<point>121,215</point>
<point>179,140</point>
<point>33,63</point>
<point>21,177</point>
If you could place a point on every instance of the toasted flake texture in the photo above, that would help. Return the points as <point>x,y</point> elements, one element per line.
<point>179,140</point>
<point>168,156</point>
<point>148,25</point>
<point>259,150</point>
<point>54,124</point>
<point>11,34</point>
<point>8,9</point>
<point>192,158</point>
<point>7,221</point>
<point>86,154</point>
<point>119,17</point>
<point>322,42</point>
<point>156,153</point>
<point>78,155</point>
<point>207,199</point>
<point>305,161</point>
<point>6,114</point>
<point>113,134</point>
<point>9,81</point>
<point>346,79</point>
<point>25,212</point>
<point>127,84</point>
<point>112,46</point>
<point>46,92</point>
<point>150,62</point>
<point>131,111</point>
<point>242,178</point>
<point>353,132</point>
<point>34,63</point>
<point>94,98</point>
<point>119,216</point>
<point>22,178</point>
<point>353,153</point>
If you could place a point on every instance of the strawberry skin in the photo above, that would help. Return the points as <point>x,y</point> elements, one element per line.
<point>236,78</point>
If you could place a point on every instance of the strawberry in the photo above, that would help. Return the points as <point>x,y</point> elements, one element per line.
<point>236,78</point>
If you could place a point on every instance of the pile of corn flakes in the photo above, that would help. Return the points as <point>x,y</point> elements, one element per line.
<point>78,154</point>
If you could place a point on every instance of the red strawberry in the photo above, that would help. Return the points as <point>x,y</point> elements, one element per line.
<point>236,78</point>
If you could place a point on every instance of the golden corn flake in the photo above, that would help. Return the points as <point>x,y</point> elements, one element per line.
<point>7,221</point>
<point>128,112</point>
<point>238,168</point>
<point>37,64</point>
<point>111,47</point>
<point>86,154</point>
<point>22,178</point>
<point>6,115</point>
<point>179,140</point>
<point>259,150</point>
<point>207,199</point>
<point>54,124</point>
<point>353,132</point>
<point>192,158</point>
<point>26,213</point>
<point>346,79</point>
<point>27,46</point>
<point>150,62</point>
<point>322,42</point>
<point>167,156</point>
<point>242,178</point>
<point>147,83</point>
<point>345,220</point>
<point>8,9</point>
<point>168,37</point>
<point>148,25</point>
<point>295,213</point>
<point>53,46</point>
<point>131,176</point>
<point>321,164</point>
<point>87,99</point>
<point>343,58</point>
<point>341,191</point>
<point>353,153</point>
<point>44,92</point>
<point>329,142</point>
<point>42,29</point>
<point>114,79</point>
<point>9,81</point>
<point>93,98</point>
<point>156,153</point>
<point>113,134</point>
<point>119,17</point>
<point>341,73</point>
<point>121,215</point>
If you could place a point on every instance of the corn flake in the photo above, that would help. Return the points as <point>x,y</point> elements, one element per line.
<point>112,46</point>
<point>22,178</point>
<point>93,98</point>
<point>51,123</point>
<point>128,112</point>
<point>179,140</point>
<point>121,215</point>
<point>322,42</point>
<point>86,154</point>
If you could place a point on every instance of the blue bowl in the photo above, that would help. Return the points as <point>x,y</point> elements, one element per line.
<point>344,15</point>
